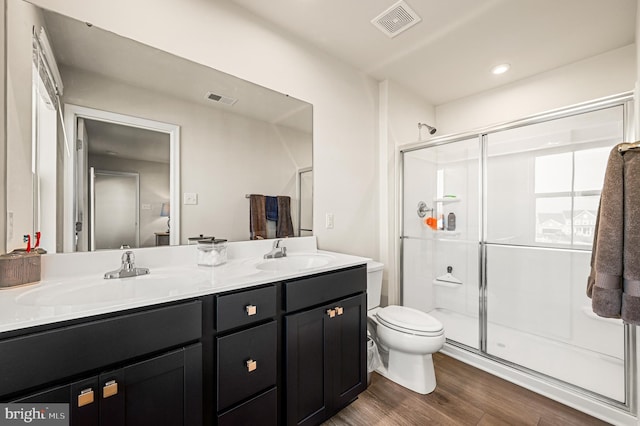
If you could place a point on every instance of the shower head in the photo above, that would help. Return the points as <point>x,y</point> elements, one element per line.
<point>431,129</point>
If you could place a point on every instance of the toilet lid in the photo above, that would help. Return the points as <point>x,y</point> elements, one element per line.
<point>412,320</point>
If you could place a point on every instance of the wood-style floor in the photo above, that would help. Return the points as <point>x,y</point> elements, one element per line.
<point>464,396</point>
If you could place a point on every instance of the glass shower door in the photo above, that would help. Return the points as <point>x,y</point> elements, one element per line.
<point>543,184</point>
<point>440,236</point>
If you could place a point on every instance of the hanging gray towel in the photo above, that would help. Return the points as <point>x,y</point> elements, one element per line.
<point>614,282</point>
<point>272,208</point>
<point>257,217</point>
<point>631,256</point>
<point>284,226</point>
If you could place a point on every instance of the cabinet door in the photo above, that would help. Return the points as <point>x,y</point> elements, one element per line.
<point>306,360</point>
<point>82,397</point>
<point>165,390</point>
<point>348,351</point>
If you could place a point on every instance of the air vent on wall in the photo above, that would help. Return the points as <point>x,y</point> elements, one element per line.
<point>397,19</point>
<point>221,98</point>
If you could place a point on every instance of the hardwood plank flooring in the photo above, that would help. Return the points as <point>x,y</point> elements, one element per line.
<point>465,395</point>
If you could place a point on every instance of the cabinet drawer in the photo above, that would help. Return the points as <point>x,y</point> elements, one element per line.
<point>261,410</point>
<point>246,363</point>
<point>244,308</point>
<point>68,351</point>
<point>320,289</point>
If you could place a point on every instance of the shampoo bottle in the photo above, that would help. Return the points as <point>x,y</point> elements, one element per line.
<point>451,222</point>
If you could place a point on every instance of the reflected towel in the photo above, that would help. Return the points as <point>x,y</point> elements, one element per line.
<point>257,217</point>
<point>614,282</point>
<point>284,227</point>
<point>272,208</point>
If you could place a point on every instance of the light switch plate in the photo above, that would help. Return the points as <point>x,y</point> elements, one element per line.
<point>190,198</point>
<point>328,221</point>
<point>145,207</point>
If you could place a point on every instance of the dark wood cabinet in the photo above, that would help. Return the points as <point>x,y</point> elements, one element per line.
<point>261,410</point>
<point>247,356</point>
<point>290,352</point>
<point>325,358</point>
<point>166,389</point>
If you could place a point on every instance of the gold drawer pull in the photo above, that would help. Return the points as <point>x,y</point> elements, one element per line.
<point>339,310</point>
<point>85,397</point>
<point>251,365</point>
<point>331,313</point>
<point>110,388</point>
<point>251,309</point>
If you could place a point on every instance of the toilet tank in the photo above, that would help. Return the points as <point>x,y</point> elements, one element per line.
<point>374,284</point>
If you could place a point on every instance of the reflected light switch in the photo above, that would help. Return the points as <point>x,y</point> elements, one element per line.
<point>190,198</point>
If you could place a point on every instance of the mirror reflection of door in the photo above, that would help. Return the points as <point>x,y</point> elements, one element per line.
<point>305,202</point>
<point>121,183</point>
<point>114,216</point>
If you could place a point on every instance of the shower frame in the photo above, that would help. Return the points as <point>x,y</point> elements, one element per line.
<point>626,100</point>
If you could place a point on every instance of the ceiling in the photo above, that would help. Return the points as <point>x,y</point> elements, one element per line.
<point>449,54</point>
<point>127,142</point>
<point>93,50</point>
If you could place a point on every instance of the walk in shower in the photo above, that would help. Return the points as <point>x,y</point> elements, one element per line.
<point>496,238</point>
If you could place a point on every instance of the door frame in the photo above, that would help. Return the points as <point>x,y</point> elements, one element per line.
<point>71,114</point>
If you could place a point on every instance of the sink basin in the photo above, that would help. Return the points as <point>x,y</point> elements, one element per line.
<point>295,262</point>
<point>96,291</point>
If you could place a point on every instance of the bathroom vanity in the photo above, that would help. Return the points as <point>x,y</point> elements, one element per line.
<point>276,345</point>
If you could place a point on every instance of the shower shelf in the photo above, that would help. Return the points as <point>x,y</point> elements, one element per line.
<point>445,233</point>
<point>446,284</point>
<point>447,200</point>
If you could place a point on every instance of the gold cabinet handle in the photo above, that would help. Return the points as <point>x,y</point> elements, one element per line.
<point>110,388</point>
<point>339,310</point>
<point>251,309</point>
<point>85,397</point>
<point>331,313</point>
<point>252,365</point>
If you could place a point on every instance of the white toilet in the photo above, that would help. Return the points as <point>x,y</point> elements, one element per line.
<point>405,336</point>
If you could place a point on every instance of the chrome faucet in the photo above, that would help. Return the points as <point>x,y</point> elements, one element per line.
<point>127,269</point>
<point>276,251</point>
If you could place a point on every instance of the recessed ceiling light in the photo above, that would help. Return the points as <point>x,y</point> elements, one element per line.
<point>500,69</point>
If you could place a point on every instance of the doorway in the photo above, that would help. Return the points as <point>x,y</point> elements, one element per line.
<point>114,214</point>
<point>130,146</point>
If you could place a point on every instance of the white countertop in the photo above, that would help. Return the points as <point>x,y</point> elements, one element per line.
<point>174,275</point>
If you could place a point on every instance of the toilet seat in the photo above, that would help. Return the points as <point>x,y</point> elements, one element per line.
<point>410,321</point>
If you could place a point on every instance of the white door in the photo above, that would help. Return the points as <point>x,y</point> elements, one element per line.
<point>114,210</point>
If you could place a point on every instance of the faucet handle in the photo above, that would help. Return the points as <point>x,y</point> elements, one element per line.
<point>276,243</point>
<point>128,257</point>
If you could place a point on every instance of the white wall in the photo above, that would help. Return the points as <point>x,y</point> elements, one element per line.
<point>400,111</point>
<point>18,126</point>
<point>225,37</point>
<point>3,140</point>
<point>607,74</point>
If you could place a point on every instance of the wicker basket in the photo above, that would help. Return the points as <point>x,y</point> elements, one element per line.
<point>19,268</point>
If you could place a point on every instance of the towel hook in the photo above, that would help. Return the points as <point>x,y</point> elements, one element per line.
<point>624,147</point>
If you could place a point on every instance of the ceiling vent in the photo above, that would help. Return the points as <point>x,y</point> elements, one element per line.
<point>397,19</point>
<point>221,98</point>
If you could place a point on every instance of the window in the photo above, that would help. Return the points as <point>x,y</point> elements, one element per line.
<point>567,191</point>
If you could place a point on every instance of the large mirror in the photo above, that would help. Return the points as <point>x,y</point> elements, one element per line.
<point>113,143</point>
